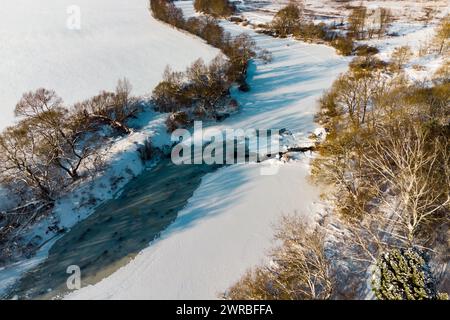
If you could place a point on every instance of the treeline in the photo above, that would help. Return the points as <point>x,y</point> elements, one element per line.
<point>299,268</point>
<point>216,8</point>
<point>53,145</point>
<point>202,88</point>
<point>239,50</point>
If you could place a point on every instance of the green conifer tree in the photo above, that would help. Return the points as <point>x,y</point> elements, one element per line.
<point>405,274</point>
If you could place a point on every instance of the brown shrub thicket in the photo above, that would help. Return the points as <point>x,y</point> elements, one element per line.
<point>199,89</point>
<point>343,45</point>
<point>287,20</point>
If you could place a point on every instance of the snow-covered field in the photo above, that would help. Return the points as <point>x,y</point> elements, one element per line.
<point>117,39</point>
<point>227,226</point>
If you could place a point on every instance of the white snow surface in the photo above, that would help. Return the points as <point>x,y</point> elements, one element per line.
<point>117,39</point>
<point>227,226</point>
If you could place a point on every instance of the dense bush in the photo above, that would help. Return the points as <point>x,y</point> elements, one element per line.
<point>216,8</point>
<point>344,45</point>
<point>166,11</point>
<point>308,31</point>
<point>291,21</point>
<point>287,20</point>
<point>239,51</point>
<point>442,75</point>
<point>198,90</point>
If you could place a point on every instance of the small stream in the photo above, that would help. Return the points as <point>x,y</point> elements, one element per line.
<point>116,231</point>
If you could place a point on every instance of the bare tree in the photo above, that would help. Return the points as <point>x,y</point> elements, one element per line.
<point>26,164</point>
<point>112,108</point>
<point>62,138</point>
<point>413,168</point>
<point>355,93</point>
